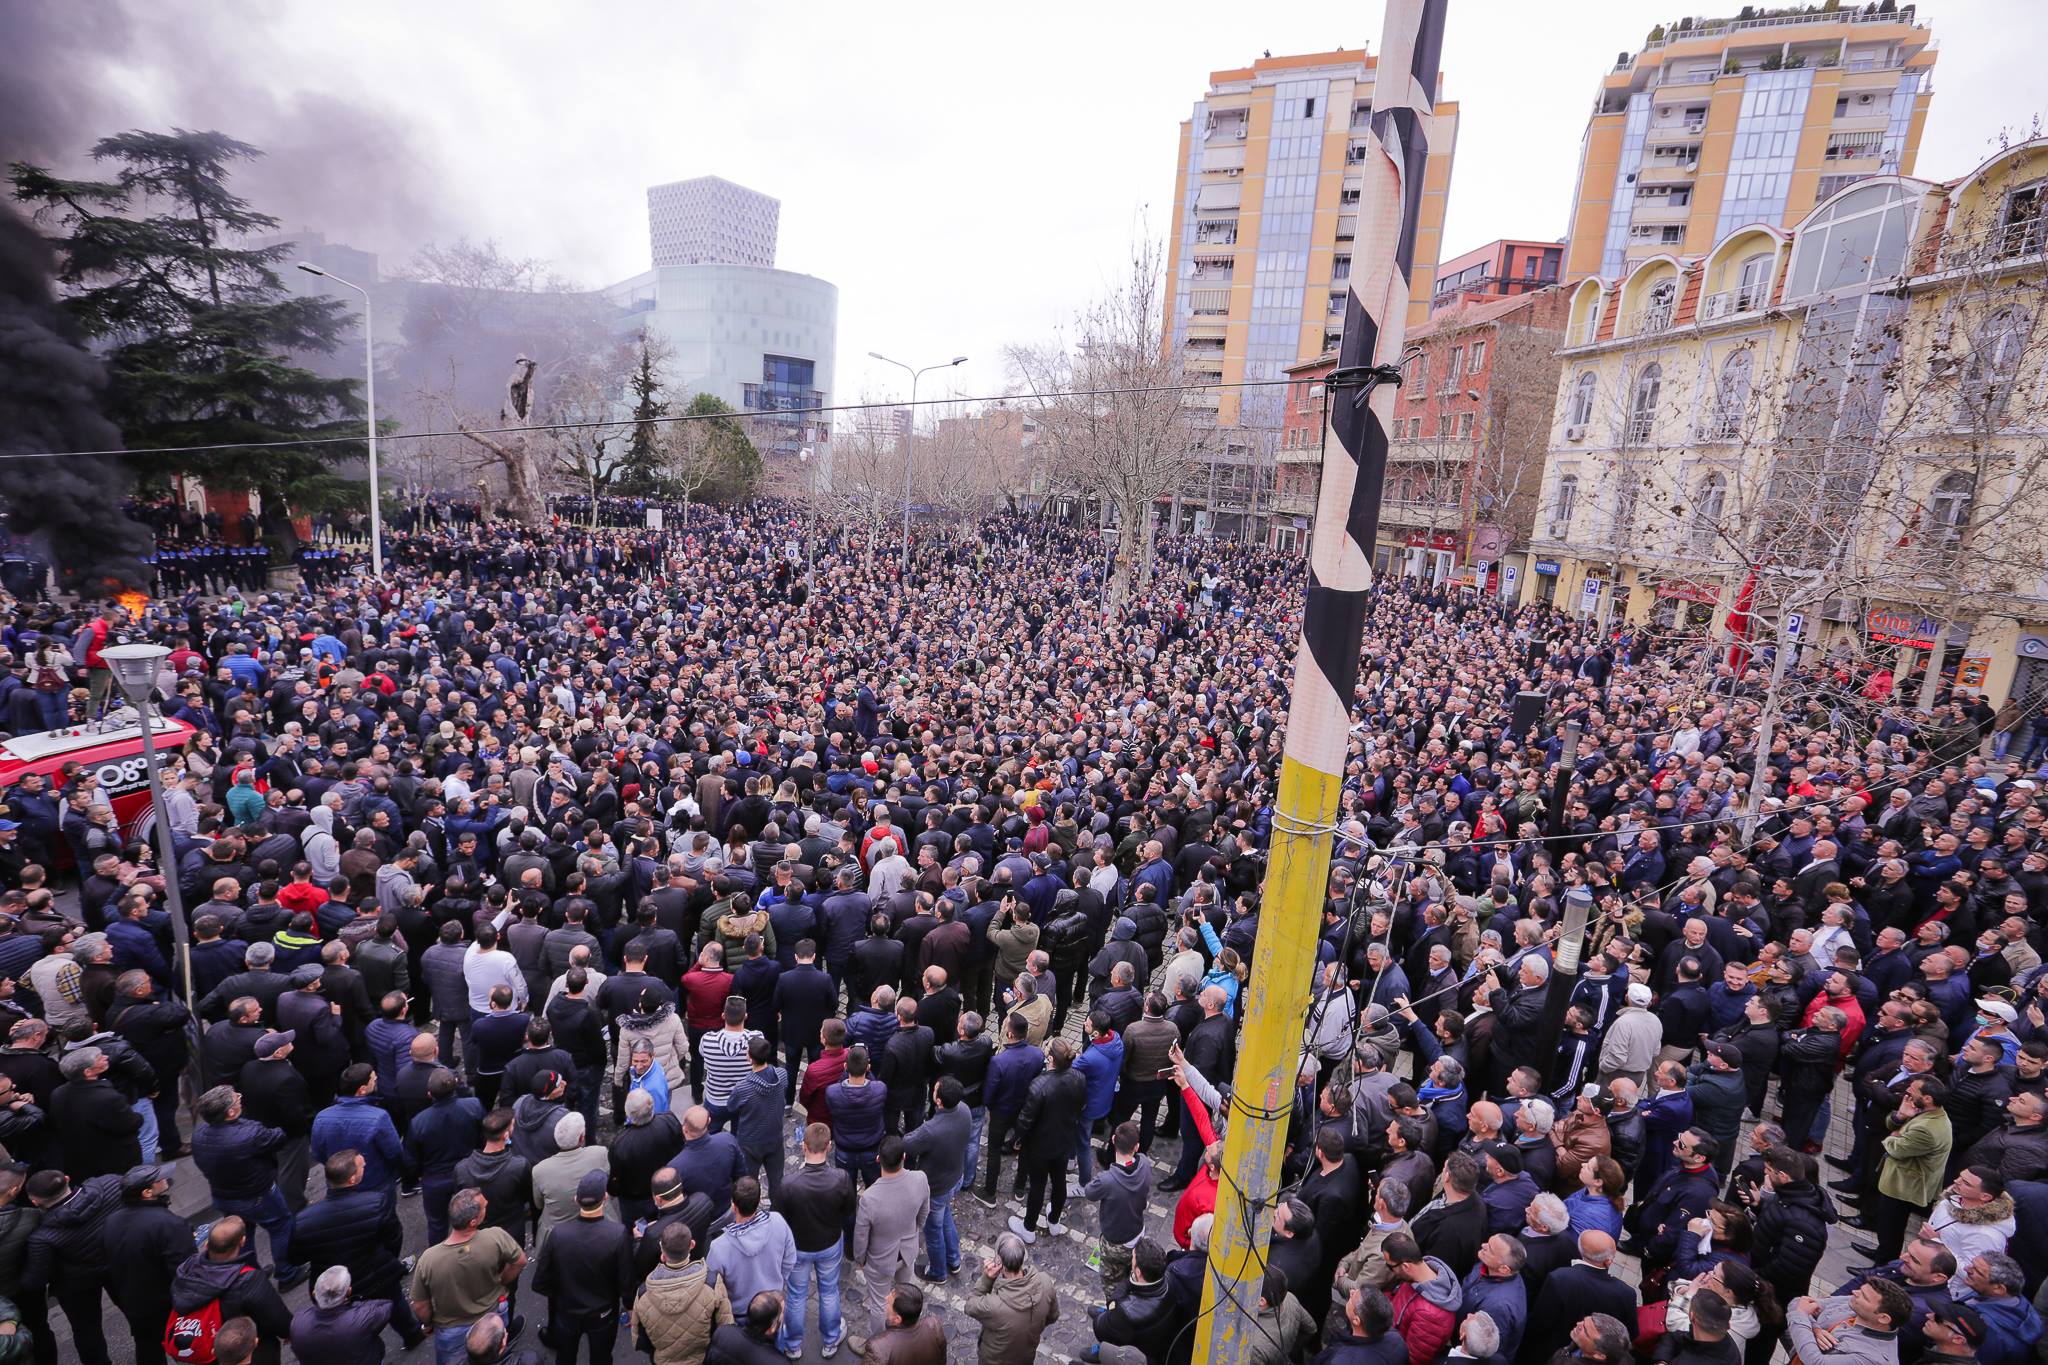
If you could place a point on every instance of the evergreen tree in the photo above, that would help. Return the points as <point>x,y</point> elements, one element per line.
<point>735,466</point>
<point>197,332</point>
<point>639,472</point>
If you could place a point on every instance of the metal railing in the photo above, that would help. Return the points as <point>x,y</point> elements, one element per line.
<point>1650,321</point>
<point>2015,241</point>
<point>1714,27</point>
<point>1732,303</point>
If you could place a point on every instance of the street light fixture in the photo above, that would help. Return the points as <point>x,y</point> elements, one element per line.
<point>135,669</point>
<point>910,437</point>
<point>370,394</point>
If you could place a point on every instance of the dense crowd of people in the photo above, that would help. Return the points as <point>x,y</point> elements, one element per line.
<point>694,942</point>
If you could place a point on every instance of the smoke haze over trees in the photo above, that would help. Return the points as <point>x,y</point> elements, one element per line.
<point>51,391</point>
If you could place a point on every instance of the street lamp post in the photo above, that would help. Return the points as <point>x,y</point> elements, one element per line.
<point>910,437</point>
<point>370,394</point>
<point>135,669</point>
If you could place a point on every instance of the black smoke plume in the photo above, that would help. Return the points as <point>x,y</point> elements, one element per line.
<point>50,391</point>
<point>68,85</point>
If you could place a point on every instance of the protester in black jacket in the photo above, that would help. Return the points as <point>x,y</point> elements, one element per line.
<point>1046,1128</point>
<point>100,1131</point>
<point>144,1244</point>
<point>66,1255</point>
<point>229,1047</point>
<point>1792,1218</point>
<point>585,1267</point>
<point>358,1228</point>
<point>225,1269</point>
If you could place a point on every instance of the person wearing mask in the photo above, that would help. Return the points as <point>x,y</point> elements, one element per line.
<point>678,1311</point>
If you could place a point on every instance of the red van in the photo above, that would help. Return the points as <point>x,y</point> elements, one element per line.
<point>113,754</point>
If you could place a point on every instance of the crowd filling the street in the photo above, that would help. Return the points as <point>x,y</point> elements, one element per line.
<point>610,941</point>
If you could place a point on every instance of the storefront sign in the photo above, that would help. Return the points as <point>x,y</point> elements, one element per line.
<point>1901,628</point>
<point>1970,673</point>
<point>1546,567</point>
<point>1687,591</point>
<point>1442,540</point>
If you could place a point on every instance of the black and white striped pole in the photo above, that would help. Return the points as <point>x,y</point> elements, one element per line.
<point>1325,675</point>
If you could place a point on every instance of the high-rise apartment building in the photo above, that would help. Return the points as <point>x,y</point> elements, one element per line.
<point>1719,123</point>
<point>1266,214</point>
<point>710,221</point>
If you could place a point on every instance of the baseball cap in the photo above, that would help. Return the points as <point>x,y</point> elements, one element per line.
<point>590,1190</point>
<point>306,973</point>
<point>1727,1052</point>
<point>1998,1009</point>
<point>1963,1318</point>
<point>270,1044</point>
<point>6,825</point>
<point>1638,994</point>
<point>138,1178</point>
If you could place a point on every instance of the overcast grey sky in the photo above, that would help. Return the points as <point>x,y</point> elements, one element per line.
<point>967,175</point>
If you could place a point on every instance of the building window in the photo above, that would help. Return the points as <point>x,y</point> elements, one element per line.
<point>1994,359</point>
<point>1578,411</point>
<point>1454,368</point>
<point>1731,397</point>
<point>1562,507</point>
<point>1478,359</point>
<point>1642,408</point>
<point>1949,510</point>
<point>1709,503</point>
<point>1418,373</point>
<point>1465,425</point>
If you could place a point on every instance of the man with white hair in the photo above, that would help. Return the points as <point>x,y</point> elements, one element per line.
<point>332,1328</point>
<point>1632,1041</point>
<point>555,1179</point>
<point>888,869</point>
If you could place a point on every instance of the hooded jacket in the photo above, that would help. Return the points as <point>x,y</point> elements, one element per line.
<point>752,1256</point>
<point>663,1034</point>
<point>677,1311</point>
<point>1426,1315</point>
<point>1119,1192</point>
<point>242,1287</point>
<point>323,854</point>
<point>533,1127</point>
<point>1969,1233</point>
<point>1013,1314</point>
<point>1791,1233</point>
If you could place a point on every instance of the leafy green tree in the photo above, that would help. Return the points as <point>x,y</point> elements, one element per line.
<point>639,472</point>
<point>734,464</point>
<point>197,332</point>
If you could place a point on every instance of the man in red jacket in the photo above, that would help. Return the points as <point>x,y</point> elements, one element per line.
<point>1426,1303</point>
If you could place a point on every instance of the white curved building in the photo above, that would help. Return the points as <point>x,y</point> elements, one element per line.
<point>759,338</point>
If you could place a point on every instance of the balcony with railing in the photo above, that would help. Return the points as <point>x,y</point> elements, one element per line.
<point>1730,303</point>
<point>1216,232</point>
<point>1648,321</point>
<point>1678,129</point>
<point>1214,267</point>
<point>1661,208</point>
<point>1584,333</point>
<point>2023,239</point>
<point>1666,171</point>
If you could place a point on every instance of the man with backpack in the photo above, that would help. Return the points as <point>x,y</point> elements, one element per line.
<point>220,1281</point>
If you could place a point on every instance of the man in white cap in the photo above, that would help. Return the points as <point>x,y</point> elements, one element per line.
<point>1633,1040</point>
<point>1995,1019</point>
